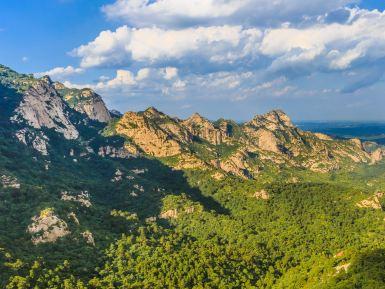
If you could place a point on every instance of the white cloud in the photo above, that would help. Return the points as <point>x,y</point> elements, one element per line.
<point>183,13</point>
<point>59,73</point>
<point>216,44</point>
<point>123,78</point>
<point>238,63</point>
<point>320,46</point>
<point>170,72</point>
<point>329,46</point>
<point>143,74</point>
<point>154,80</point>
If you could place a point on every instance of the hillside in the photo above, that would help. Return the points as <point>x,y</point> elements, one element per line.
<point>92,199</point>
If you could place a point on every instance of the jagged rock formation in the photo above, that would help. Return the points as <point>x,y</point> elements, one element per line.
<point>36,105</point>
<point>88,237</point>
<point>42,106</point>
<point>154,132</point>
<point>47,227</point>
<point>243,150</point>
<point>203,128</point>
<point>85,101</point>
<point>9,182</point>
<point>83,198</point>
<point>116,152</point>
<point>378,155</point>
<point>38,140</point>
<point>267,141</point>
<point>373,202</point>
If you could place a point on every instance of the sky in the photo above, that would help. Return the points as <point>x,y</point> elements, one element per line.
<point>316,60</point>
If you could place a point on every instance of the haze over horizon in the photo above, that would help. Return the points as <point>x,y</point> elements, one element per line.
<point>321,60</point>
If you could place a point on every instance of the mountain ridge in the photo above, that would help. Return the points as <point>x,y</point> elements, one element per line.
<point>87,202</point>
<point>268,140</point>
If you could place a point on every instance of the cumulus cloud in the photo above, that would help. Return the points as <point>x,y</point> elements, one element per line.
<point>59,73</point>
<point>183,13</point>
<point>216,44</point>
<point>325,45</point>
<point>145,81</point>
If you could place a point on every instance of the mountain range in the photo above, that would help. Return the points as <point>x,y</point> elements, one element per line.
<point>90,197</point>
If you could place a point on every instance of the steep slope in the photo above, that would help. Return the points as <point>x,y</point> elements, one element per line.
<point>154,132</point>
<point>66,191</point>
<point>269,140</point>
<point>85,101</point>
<point>151,201</point>
<point>41,106</point>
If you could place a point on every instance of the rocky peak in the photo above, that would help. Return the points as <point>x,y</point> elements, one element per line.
<point>47,79</point>
<point>41,106</point>
<point>197,118</point>
<point>203,128</point>
<point>153,132</point>
<point>85,101</point>
<point>59,85</point>
<point>152,112</point>
<point>273,120</point>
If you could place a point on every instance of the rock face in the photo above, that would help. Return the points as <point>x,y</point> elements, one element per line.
<point>262,195</point>
<point>85,101</point>
<point>373,202</point>
<point>322,136</point>
<point>9,182</point>
<point>170,214</point>
<point>47,227</point>
<point>38,140</point>
<point>378,155</point>
<point>114,152</point>
<point>83,198</point>
<point>243,150</point>
<point>268,141</point>
<point>154,132</point>
<point>42,107</point>
<point>203,128</point>
<point>89,237</point>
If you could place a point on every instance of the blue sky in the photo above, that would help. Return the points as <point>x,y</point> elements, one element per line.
<point>321,60</point>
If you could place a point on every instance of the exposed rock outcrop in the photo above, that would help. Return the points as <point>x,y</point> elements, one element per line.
<point>170,214</point>
<point>242,150</point>
<point>154,132</point>
<point>174,213</point>
<point>88,237</point>
<point>262,195</point>
<point>85,101</point>
<point>42,107</point>
<point>115,152</point>
<point>237,164</point>
<point>323,136</point>
<point>378,155</point>
<point>117,177</point>
<point>9,182</point>
<point>373,202</point>
<point>83,198</point>
<point>37,140</point>
<point>203,128</point>
<point>47,227</point>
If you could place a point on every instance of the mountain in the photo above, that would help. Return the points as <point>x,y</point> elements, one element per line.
<point>267,141</point>
<point>91,198</point>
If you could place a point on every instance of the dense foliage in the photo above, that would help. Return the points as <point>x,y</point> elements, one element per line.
<point>156,227</point>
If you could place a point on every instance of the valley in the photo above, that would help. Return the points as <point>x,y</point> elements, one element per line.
<point>93,199</point>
